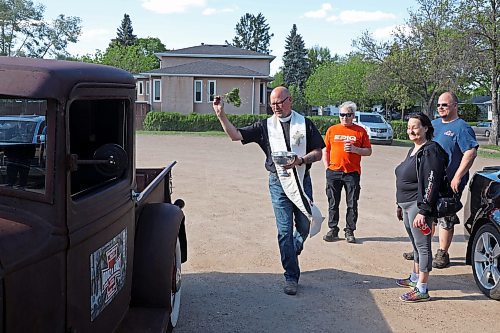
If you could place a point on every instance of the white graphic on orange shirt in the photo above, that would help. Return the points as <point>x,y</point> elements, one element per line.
<point>343,138</point>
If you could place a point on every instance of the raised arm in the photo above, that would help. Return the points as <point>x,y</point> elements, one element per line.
<point>231,131</point>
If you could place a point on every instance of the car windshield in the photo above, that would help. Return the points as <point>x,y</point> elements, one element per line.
<point>370,118</point>
<point>17,131</point>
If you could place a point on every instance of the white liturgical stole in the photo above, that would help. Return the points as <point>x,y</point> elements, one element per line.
<point>294,190</point>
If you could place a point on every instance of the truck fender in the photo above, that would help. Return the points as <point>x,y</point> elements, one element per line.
<point>156,236</point>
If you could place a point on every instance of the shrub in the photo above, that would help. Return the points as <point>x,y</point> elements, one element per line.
<point>173,121</point>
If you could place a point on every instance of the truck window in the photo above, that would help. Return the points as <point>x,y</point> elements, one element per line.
<point>22,147</point>
<point>95,125</point>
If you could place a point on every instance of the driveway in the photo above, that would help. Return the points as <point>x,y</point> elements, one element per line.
<point>232,281</point>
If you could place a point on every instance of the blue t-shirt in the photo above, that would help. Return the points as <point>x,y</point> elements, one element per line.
<point>456,138</point>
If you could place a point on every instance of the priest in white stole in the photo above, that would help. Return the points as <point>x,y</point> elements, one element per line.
<point>296,214</point>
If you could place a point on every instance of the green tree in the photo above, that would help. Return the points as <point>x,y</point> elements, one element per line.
<point>429,56</point>
<point>125,33</point>
<point>24,32</point>
<point>136,58</point>
<point>299,102</point>
<point>278,79</point>
<point>53,38</point>
<point>252,33</point>
<point>481,20</point>
<point>317,55</point>
<point>295,65</point>
<point>334,83</point>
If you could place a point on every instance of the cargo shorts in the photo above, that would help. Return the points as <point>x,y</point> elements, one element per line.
<point>447,222</point>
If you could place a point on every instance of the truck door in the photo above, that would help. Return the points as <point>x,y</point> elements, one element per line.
<point>100,212</point>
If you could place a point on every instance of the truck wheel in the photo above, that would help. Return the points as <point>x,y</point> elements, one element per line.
<point>485,258</point>
<point>155,255</point>
<point>176,284</point>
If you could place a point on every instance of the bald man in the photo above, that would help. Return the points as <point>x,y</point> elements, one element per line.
<point>285,130</point>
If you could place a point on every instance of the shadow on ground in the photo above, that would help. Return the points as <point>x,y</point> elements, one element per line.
<point>328,300</point>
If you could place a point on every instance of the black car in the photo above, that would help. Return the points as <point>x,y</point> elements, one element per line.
<point>482,230</point>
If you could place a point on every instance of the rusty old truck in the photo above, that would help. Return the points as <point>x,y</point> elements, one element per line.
<point>88,243</point>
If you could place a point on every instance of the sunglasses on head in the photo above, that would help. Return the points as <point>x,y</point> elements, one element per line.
<point>346,114</point>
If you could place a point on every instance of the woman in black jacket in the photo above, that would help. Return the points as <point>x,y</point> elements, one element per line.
<point>418,180</point>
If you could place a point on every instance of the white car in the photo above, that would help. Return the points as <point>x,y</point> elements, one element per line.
<point>379,130</point>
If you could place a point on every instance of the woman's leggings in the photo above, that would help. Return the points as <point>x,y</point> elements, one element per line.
<point>421,244</point>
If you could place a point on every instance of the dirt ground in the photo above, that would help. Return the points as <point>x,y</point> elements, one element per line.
<point>233,279</point>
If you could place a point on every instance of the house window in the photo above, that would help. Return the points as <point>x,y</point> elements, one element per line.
<point>157,90</point>
<point>140,88</point>
<point>198,91</point>
<point>147,88</point>
<point>262,95</point>
<point>212,90</point>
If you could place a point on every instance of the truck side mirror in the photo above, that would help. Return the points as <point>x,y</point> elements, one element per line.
<point>110,160</point>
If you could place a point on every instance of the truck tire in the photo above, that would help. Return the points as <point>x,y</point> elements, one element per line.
<point>176,287</point>
<point>156,244</point>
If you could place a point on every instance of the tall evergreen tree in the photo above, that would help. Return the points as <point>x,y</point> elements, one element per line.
<point>295,62</point>
<point>252,33</point>
<point>124,34</point>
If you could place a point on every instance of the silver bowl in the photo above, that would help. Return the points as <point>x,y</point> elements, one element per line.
<point>283,157</point>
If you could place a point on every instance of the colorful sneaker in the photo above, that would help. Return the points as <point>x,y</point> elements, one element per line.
<point>406,283</point>
<point>415,296</point>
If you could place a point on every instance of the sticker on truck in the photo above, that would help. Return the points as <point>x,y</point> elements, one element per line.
<point>107,272</point>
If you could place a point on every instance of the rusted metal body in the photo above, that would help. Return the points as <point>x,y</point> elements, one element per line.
<point>71,238</point>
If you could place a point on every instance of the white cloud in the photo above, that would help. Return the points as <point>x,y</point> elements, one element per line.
<point>91,40</point>
<point>171,6</point>
<point>384,33</point>
<point>320,13</point>
<point>356,16</point>
<point>214,11</point>
<point>332,18</point>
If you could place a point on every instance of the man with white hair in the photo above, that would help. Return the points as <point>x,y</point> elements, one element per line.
<point>345,144</point>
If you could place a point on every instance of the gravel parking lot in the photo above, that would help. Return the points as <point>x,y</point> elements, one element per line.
<point>232,281</point>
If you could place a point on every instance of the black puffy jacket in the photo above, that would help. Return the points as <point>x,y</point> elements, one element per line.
<point>432,161</point>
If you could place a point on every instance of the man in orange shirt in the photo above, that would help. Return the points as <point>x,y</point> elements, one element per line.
<point>345,144</point>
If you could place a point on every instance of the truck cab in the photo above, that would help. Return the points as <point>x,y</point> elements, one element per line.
<point>87,242</point>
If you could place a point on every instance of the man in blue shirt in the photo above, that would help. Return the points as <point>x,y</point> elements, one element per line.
<point>458,139</point>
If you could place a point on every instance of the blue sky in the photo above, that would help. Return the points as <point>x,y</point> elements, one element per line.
<point>185,23</point>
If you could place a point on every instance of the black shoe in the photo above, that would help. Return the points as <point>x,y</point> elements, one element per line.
<point>349,236</point>
<point>331,235</point>
<point>441,260</point>
<point>408,255</point>
<point>290,287</point>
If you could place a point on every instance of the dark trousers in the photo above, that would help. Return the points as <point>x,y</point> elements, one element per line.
<point>335,182</point>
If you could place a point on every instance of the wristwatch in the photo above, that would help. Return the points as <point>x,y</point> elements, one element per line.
<point>301,161</point>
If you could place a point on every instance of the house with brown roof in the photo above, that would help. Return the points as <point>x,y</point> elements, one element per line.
<point>189,78</point>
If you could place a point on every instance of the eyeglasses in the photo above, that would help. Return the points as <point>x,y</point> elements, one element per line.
<point>444,105</point>
<point>346,114</point>
<point>280,104</point>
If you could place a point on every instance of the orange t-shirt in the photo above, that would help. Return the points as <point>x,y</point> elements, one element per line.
<point>335,137</point>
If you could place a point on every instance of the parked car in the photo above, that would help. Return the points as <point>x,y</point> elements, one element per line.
<point>379,130</point>
<point>482,230</point>
<point>393,114</point>
<point>483,128</point>
<point>22,148</point>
